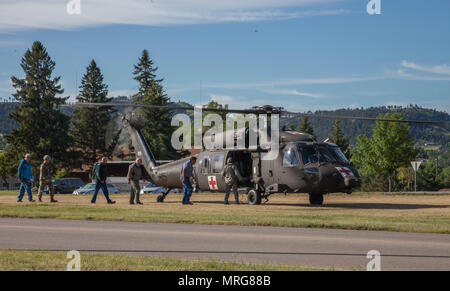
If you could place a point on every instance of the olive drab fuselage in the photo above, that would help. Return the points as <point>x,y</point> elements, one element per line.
<point>302,166</point>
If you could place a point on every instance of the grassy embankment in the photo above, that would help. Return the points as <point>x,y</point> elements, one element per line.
<point>391,212</point>
<point>13,260</point>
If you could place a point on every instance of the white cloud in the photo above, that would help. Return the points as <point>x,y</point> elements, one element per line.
<point>6,87</point>
<point>290,82</point>
<point>52,14</point>
<point>242,102</point>
<point>223,99</point>
<point>12,42</point>
<point>116,93</point>
<point>438,69</point>
<point>402,74</point>
<point>293,92</point>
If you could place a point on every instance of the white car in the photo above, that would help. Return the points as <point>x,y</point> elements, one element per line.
<point>155,189</point>
<point>89,189</point>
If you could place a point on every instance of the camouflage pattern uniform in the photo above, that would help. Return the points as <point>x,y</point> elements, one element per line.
<point>45,179</point>
<point>232,177</point>
<point>134,176</point>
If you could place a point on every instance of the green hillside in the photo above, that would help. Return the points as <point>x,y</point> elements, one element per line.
<point>5,123</point>
<point>422,134</point>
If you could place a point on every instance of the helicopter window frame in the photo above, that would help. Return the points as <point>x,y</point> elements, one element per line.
<point>326,155</point>
<point>290,159</point>
<point>308,154</point>
<point>217,163</point>
<point>205,164</point>
<point>340,156</point>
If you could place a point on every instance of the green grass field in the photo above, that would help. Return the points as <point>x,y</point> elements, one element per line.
<point>363,211</point>
<point>12,260</point>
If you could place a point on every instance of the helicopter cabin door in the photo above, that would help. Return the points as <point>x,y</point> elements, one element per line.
<point>204,170</point>
<point>215,180</point>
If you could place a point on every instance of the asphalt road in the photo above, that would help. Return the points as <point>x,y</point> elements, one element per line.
<point>276,245</point>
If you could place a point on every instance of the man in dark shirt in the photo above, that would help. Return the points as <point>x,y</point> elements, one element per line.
<point>100,181</point>
<point>186,174</point>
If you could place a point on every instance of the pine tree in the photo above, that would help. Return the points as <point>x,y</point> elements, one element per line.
<point>338,138</point>
<point>90,125</point>
<point>158,130</point>
<point>305,126</point>
<point>42,128</point>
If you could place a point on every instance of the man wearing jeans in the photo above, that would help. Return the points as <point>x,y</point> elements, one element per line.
<point>100,181</point>
<point>186,173</point>
<point>25,178</point>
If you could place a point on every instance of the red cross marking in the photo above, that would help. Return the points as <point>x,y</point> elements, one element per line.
<point>345,171</point>
<point>212,183</point>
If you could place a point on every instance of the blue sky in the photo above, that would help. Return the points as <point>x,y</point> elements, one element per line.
<point>302,55</point>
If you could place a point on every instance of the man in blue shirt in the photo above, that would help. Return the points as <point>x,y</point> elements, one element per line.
<point>25,178</point>
<point>186,174</point>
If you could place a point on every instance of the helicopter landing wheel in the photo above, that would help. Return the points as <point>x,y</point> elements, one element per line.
<point>254,197</point>
<point>160,198</point>
<point>315,199</point>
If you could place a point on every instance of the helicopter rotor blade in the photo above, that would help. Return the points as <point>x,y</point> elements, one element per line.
<point>93,105</point>
<point>362,118</point>
<point>256,110</point>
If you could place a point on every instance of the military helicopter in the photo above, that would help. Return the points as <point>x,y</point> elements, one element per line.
<point>302,165</point>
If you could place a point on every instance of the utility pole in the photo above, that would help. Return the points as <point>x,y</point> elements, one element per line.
<point>437,165</point>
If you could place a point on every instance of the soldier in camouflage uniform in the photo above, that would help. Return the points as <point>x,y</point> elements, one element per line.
<point>134,176</point>
<point>232,177</point>
<point>45,179</point>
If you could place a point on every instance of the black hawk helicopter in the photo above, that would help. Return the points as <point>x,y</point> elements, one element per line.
<point>303,165</point>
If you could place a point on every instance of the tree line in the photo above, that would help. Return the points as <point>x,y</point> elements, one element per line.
<point>81,138</point>
<point>383,157</point>
<point>40,127</point>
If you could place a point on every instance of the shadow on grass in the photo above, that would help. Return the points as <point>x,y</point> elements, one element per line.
<point>392,206</point>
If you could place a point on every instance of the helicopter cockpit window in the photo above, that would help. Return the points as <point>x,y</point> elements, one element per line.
<point>325,155</point>
<point>218,163</point>
<point>290,158</point>
<point>308,154</point>
<point>339,155</point>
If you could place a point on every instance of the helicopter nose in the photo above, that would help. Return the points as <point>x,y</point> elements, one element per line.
<point>349,177</point>
<point>337,179</point>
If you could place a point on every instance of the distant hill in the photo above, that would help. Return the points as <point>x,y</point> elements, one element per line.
<point>322,127</point>
<point>6,124</point>
<point>421,133</point>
